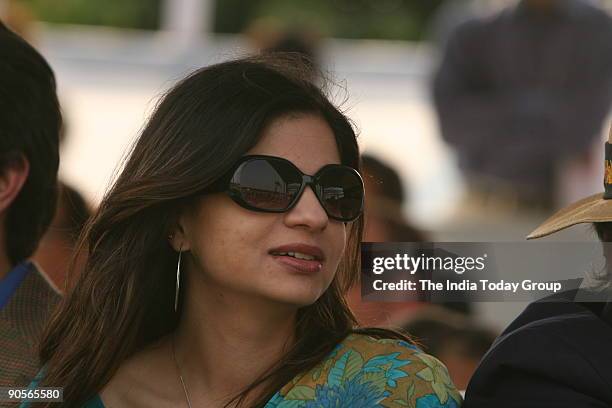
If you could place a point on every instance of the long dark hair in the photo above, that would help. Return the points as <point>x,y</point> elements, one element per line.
<point>123,300</point>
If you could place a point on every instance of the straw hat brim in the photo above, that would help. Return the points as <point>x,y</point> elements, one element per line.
<point>587,210</point>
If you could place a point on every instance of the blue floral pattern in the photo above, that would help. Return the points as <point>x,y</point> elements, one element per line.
<point>364,372</point>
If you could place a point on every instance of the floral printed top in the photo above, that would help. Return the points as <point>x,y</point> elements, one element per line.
<point>364,372</point>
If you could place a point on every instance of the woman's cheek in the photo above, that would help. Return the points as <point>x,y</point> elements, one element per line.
<point>339,246</point>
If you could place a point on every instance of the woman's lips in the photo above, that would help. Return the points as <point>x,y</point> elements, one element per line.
<point>300,265</point>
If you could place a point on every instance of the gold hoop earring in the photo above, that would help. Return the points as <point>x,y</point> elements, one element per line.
<point>178,279</point>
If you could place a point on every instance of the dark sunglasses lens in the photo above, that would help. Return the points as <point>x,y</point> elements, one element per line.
<point>266,184</point>
<point>341,191</point>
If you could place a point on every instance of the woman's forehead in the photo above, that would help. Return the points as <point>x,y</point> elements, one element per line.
<point>304,139</point>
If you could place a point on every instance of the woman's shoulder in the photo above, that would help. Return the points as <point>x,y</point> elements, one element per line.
<point>364,371</point>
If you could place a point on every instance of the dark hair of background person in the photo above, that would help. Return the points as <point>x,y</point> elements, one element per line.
<point>389,191</point>
<point>387,180</point>
<point>30,122</point>
<point>124,298</point>
<point>298,43</point>
<point>385,197</point>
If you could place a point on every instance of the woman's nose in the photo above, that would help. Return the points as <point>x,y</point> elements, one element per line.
<point>307,212</point>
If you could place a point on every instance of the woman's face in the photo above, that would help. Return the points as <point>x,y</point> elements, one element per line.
<point>234,250</point>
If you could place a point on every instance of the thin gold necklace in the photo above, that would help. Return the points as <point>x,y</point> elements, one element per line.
<point>178,369</point>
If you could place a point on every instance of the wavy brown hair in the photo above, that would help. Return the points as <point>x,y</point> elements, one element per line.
<point>123,300</point>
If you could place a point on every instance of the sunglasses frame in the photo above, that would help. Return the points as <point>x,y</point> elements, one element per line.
<point>307,180</point>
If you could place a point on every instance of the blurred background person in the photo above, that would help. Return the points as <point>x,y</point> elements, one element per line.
<point>386,199</point>
<point>509,83</point>
<point>384,222</point>
<point>556,353</point>
<point>58,245</point>
<point>512,83</point>
<point>29,158</point>
<point>450,15</point>
<point>385,202</point>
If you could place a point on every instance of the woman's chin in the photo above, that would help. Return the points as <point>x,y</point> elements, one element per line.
<point>299,297</point>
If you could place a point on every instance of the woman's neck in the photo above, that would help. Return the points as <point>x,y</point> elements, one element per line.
<point>225,341</point>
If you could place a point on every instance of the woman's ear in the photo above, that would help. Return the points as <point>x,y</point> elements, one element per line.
<point>177,237</point>
<point>12,178</point>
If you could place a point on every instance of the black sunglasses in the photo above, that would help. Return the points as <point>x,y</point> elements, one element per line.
<point>273,184</point>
